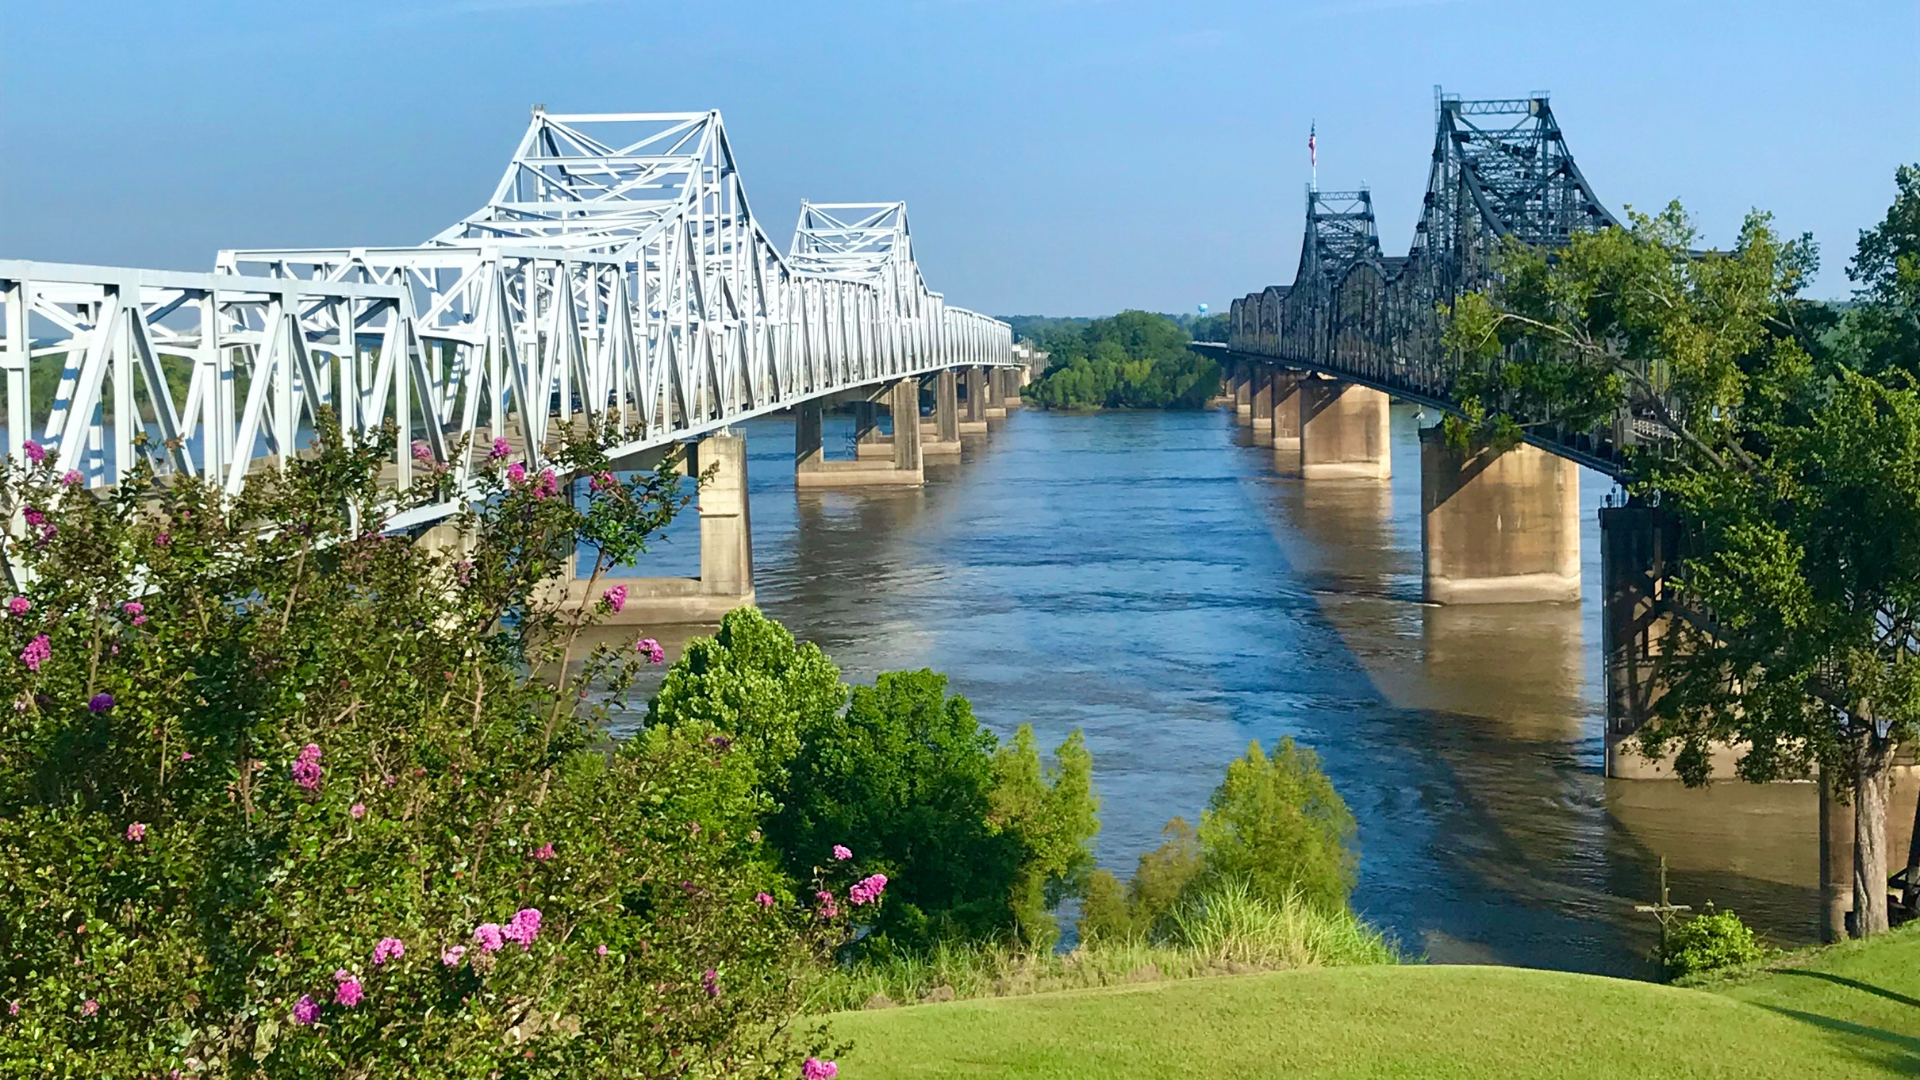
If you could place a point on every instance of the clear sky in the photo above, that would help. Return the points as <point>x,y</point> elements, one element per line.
<point>1058,156</point>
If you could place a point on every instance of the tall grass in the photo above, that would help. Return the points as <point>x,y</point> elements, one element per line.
<point>1226,931</point>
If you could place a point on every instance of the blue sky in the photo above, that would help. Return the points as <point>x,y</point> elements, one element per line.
<point>1058,156</point>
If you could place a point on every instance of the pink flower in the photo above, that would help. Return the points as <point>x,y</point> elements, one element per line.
<point>500,450</point>
<point>763,899</point>
<point>828,908</point>
<point>73,478</point>
<point>544,852</point>
<point>523,927</point>
<point>35,452</point>
<point>306,768</point>
<point>136,832</point>
<point>306,1010</point>
<point>13,1008</point>
<point>186,756</point>
<point>601,951</point>
<point>349,992</point>
<point>358,810</point>
<point>840,853</point>
<point>603,481</point>
<point>451,957</point>
<point>389,948</point>
<point>710,979</point>
<point>136,609</point>
<point>651,649</point>
<point>548,485</point>
<point>37,652</point>
<point>616,597</point>
<point>89,1007</point>
<point>867,889</point>
<point>19,605</point>
<point>34,517</point>
<point>516,473</point>
<point>488,936</point>
<point>815,1069</point>
<point>421,451</point>
<point>163,539</point>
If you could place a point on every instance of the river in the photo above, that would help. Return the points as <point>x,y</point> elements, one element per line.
<point>1148,578</point>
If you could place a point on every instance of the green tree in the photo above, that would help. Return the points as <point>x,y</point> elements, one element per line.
<point>1277,824</point>
<point>1054,815</point>
<point>275,788</point>
<point>1133,360</point>
<point>1110,910</point>
<point>1882,332</point>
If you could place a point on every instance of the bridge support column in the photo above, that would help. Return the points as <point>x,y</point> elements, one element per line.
<point>993,394</point>
<point>1261,415</point>
<point>1343,431</point>
<point>1498,527</point>
<point>975,421</point>
<point>726,548</point>
<point>1243,394</point>
<point>941,437</point>
<point>1286,421</point>
<point>879,460</point>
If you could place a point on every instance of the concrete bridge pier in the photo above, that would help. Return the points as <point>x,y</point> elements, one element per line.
<point>1260,415</point>
<point>1285,431</point>
<point>1242,384</point>
<point>726,548</point>
<point>975,420</point>
<point>992,394</point>
<point>1499,527</point>
<point>940,436</point>
<point>878,460</point>
<point>1007,384</point>
<point>1638,547</point>
<point>1343,431</point>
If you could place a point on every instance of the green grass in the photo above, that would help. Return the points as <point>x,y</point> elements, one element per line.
<point>1848,1012</point>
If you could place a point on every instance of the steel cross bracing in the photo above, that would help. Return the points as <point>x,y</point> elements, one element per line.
<point>616,273</point>
<point>1500,169</point>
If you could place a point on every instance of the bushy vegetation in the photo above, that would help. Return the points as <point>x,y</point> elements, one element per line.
<point>1133,360</point>
<point>981,839</point>
<point>1708,942</point>
<point>284,796</point>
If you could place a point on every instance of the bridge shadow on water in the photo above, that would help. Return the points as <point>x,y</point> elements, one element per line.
<point>1150,579</point>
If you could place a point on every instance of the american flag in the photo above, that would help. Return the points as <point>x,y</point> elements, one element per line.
<point>1313,153</point>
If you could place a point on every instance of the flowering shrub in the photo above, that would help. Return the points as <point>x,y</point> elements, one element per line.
<point>284,796</point>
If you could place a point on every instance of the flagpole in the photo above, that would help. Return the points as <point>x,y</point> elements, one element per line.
<point>1313,156</point>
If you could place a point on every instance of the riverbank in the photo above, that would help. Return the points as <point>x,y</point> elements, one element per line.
<point>1850,1011</point>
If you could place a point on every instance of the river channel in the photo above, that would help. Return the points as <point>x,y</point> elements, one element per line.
<point>1149,578</point>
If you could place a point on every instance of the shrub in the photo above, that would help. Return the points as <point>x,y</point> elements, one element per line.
<point>1707,942</point>
<point>1277,825</point>
<point>282,795</point>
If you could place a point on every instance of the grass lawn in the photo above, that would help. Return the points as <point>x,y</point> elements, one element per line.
<point>1850,1012</point>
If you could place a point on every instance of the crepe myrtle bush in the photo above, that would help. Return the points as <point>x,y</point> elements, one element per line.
<point>284,794</point>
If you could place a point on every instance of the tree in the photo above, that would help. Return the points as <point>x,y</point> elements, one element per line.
<point>1054,814</point>
<point>284,795</point>
<point>1133,360</point>
<point>1277,825</point>
<point>1882,332</point>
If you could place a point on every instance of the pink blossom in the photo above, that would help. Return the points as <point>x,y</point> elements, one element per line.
<point>306,769</point>
<point>500,450</point>
<point>35,452</point>
<point>389,948</point>
<point>19,605</point>
<point>651,649</point>
<point>601,951</point>
<point>488,936</point>
<point>603,481</point>
<point>544,851</point>
<point>867,889</point>
<point>815,1069</point>
<point>616,597</point>
<point>37,652</point>
<point>829,909</point>
<point>73,478</point>
<point>421,451</point>
<point>765,900</point>
<point>710,979</point>
<point>549,485</point>
<point>349,992</point>
<point>358,810</point>
<point>89,1007</point>
<point>451,957</point>
<point>306,1010</point>
<point>841,853</point>
<point>136,832</point>
<point>523,927</point>
<point>516,473</point>
<point>186,756</point>
<point>163,539</point>
<point>13,1008</point>
<point>34,517</point>
<point>136,609</point>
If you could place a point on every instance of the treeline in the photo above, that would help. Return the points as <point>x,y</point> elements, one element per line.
<point>1133,360</point>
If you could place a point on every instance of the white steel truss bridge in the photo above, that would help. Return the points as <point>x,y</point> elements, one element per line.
<point>616,274</point>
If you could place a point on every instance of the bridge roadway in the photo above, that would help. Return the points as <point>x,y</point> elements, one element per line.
<point>616,274</point>
<point>1311,366</point>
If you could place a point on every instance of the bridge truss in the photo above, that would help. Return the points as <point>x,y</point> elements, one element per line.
<point>1501,170</point>
<point>616,274</point>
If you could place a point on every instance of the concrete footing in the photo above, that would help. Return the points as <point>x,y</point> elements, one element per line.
<point>1344,432</point>
<point>1260,415</point>
<point>1285,427</point>
<point>879,459</point>
<point>1498,526</point>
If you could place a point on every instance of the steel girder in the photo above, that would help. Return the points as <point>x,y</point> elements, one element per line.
<point>616,273</point>
<point>1501,170</point>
